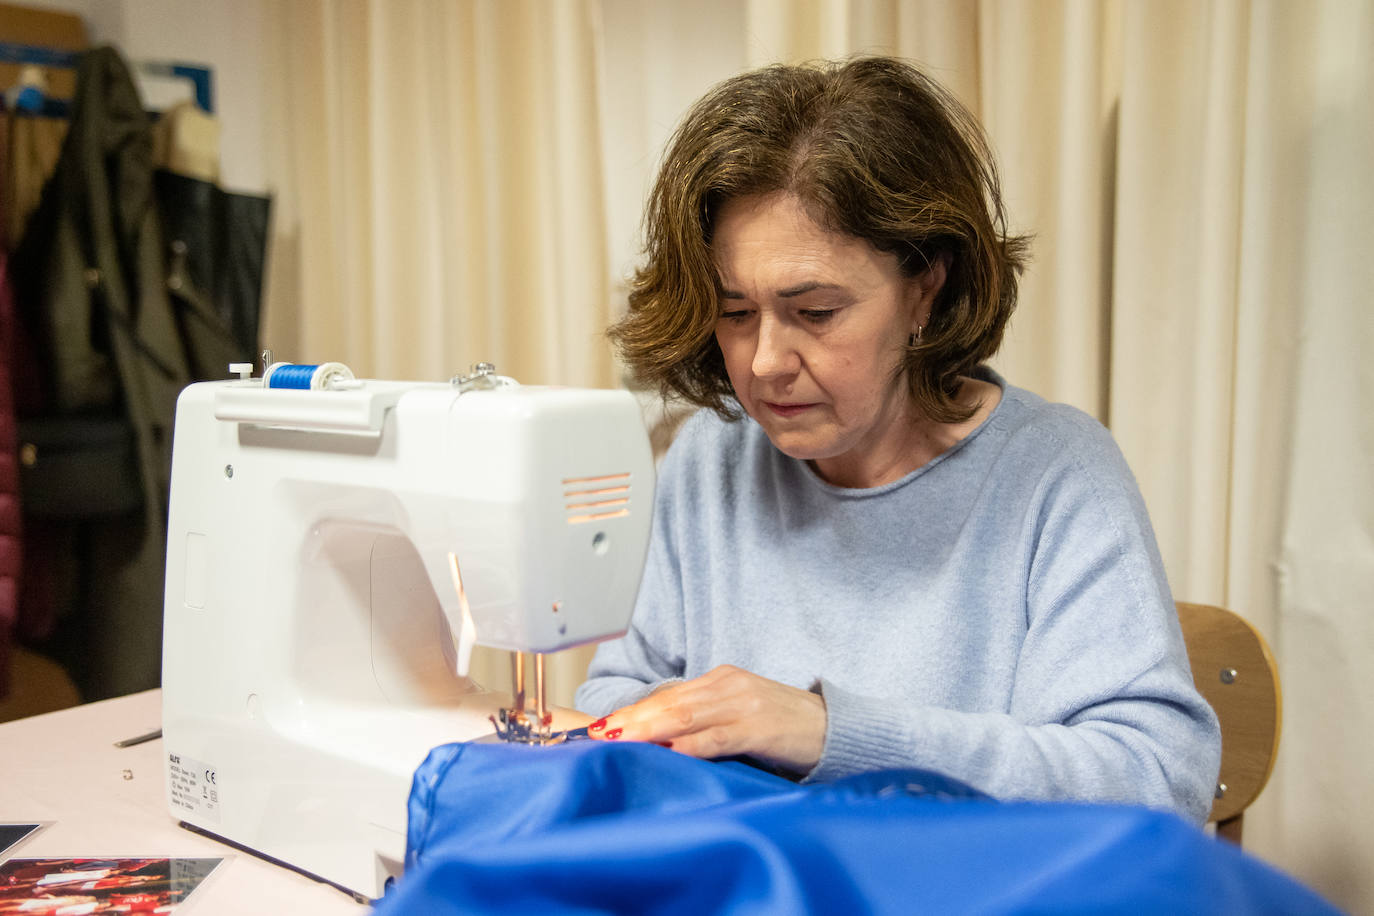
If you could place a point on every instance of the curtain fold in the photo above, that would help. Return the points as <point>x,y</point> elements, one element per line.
<point>447,160</point>
<point>463,181</point>
<point>1174,315</point>
<point>1304,547</point>
<point>1047,92</point>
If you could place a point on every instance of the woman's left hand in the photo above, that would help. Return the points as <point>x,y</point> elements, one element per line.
<point>725,712</point>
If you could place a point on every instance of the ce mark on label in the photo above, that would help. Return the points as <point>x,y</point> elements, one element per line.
<point>193,786</point>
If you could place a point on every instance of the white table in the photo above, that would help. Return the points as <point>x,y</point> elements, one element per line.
<point>103,801</point>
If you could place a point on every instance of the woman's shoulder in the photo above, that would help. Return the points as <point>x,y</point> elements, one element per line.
<point>1038,435</point>
<point>711,469</point>
<point>706,430</point>
<point>1035,420</point>
<point>707,443</point>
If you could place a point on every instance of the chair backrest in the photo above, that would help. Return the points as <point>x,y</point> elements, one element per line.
<point>1236,673</point>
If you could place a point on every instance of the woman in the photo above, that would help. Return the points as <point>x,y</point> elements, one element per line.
<point>871,551</point>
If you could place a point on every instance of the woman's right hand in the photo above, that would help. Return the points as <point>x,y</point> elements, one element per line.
<point>726,712</point>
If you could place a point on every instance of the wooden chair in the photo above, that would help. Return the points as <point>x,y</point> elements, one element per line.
<point>1235,672</point>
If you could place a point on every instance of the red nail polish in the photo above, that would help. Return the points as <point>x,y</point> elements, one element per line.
<point>664,743</point>
<point>597,726</point>
<point>613,734</point>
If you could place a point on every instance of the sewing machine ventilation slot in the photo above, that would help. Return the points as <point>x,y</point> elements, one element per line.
<point>591,499</point>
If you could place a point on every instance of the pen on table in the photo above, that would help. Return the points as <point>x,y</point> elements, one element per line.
<point>139,739</point>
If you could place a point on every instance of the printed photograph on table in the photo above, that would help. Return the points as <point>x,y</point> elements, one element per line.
<point>48,887</point>
<point>11,835</point>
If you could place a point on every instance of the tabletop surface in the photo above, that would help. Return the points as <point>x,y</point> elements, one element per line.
<point>97,801</point>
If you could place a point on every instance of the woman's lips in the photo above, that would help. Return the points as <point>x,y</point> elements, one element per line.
<point>787,410</point>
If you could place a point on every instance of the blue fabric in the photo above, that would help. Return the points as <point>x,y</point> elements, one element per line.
<point>599,827</point>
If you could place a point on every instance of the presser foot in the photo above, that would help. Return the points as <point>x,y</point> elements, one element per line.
<point>517,727</point>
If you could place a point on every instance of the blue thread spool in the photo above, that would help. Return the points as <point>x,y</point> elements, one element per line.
<point>320,377</point>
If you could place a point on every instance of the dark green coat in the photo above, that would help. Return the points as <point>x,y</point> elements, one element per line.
<point>111,350</point>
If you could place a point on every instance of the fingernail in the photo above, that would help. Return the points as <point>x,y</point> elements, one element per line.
<point>664,743</point>
<point>613,734</point>
<point>597,726</point>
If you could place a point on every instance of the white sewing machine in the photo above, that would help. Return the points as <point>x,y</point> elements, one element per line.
<point>334,552</point>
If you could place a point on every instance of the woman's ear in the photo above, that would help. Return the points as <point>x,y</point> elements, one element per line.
<point>925,288</point>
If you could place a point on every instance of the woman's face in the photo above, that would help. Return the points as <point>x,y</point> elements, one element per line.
<point>813,325</point>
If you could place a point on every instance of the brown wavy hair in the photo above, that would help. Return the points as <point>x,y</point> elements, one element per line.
<point>873,148</point>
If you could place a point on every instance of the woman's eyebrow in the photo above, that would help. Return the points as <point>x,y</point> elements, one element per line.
<point>804,288</point>
<point>790,292</point>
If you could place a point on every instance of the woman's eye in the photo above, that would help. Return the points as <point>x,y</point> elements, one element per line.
<point>734,315</point>
<point>818,316</point>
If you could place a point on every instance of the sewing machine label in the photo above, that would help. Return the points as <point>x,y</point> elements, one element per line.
<point>194,787</point>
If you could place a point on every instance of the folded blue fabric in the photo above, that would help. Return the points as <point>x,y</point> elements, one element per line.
<point>598,827</point>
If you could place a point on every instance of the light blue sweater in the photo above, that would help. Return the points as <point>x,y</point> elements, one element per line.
<point>1000,615</point>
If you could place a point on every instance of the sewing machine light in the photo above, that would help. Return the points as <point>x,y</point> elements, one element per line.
<point>467,635</point>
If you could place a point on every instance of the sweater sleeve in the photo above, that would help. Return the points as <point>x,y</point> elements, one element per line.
<point>1103,705</point>
<point>652,651</point>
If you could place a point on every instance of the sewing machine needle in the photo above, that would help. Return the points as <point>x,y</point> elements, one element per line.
<point>517,667</point>
<point>541,711</point>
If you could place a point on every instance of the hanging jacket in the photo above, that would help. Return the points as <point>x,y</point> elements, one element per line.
<point>112,352</point>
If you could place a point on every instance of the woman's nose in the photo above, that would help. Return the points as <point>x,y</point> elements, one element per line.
<point>775,353</point>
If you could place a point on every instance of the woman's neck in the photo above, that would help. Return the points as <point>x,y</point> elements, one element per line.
<point>922,441</point>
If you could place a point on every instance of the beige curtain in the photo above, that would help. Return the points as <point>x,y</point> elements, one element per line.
<point>440,188</point>
<point>1239,318</point>
<point>463,181</point>
<point>1301,512</point>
